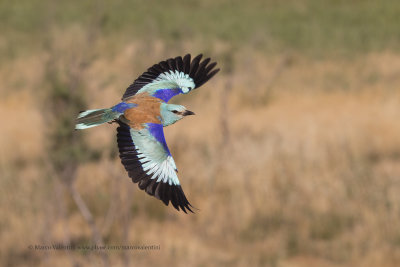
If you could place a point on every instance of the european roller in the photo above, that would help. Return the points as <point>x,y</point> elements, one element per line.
<point>141,116</point>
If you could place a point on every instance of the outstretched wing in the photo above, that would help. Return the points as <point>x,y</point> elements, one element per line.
<point>172,77</point>
<point>147,159</point>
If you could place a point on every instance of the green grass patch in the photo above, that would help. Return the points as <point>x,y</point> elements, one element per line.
<point>310,26</point>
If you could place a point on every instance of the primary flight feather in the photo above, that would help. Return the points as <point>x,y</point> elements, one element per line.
<point>141,116</point>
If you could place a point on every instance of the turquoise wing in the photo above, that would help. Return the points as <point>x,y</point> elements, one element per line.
<point>146,157</point>
<point>172,77</point>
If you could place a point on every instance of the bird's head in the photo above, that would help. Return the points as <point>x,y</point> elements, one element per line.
<point>171,113</point>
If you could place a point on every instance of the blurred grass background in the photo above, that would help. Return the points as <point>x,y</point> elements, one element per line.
<point>293,157</point>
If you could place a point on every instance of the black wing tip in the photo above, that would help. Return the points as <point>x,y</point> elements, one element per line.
<point>204,72</point>
<point>171,194</point>
<point>183,202</point>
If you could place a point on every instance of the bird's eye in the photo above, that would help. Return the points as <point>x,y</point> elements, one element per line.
<point>190,88</point>
<point>175,111</point>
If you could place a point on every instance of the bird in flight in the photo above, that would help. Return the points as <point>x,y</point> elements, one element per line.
<point>141,116</point>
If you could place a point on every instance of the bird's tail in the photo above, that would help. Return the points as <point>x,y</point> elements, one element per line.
<point>94,117</point>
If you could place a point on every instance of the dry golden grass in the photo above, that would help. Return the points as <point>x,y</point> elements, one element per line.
<point>307,173</point>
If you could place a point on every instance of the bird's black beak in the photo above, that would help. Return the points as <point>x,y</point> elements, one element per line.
<point>188,112</point>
